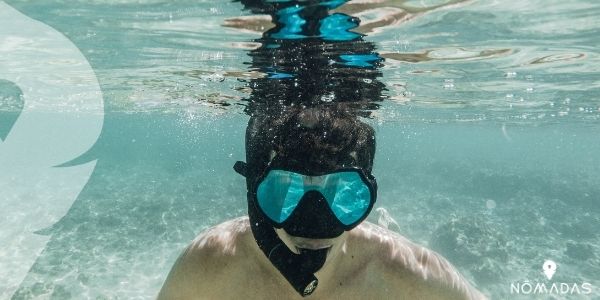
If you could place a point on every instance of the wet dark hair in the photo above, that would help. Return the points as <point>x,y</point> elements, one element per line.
<point>317,139</point>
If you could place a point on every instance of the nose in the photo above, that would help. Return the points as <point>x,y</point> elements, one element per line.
<point>313,218</point>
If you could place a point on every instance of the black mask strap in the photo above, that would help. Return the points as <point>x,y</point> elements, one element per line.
<point>241,168</point>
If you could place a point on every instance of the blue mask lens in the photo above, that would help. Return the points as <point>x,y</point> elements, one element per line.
<point>346,192</point>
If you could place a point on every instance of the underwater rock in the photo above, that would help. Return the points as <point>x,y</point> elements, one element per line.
<point>489,271</point>
<point>579,251</point>
<point>474,244</point>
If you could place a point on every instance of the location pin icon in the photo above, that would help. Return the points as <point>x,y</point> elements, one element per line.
<point>549,268</point>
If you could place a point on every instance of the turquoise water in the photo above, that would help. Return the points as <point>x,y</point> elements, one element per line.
<point>487,143</point>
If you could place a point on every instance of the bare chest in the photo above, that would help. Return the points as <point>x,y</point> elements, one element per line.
<point>257,283</point>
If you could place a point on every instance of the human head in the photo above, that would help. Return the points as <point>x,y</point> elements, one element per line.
<point>309,141</point>
<point>321,138</point>
<point>316,140</point>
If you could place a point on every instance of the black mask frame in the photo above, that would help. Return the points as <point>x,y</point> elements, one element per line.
<point>367,178</point>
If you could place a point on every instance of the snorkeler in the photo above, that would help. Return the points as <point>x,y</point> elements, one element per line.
<point>309,180</point>
<point>310,188</point>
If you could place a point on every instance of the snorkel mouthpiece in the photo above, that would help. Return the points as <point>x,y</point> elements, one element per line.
<point>299,269</point>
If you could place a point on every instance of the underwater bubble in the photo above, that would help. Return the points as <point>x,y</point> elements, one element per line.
<point>448,84</point>
<point>328,97</point>
<point>490,204</point>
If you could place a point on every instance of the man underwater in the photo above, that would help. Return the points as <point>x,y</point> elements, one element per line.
<point>310,188</point>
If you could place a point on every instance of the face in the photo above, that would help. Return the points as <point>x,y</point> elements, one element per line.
<point>297,239</point>
<point>314,206</point>
<point>307,192</point>
<point>295,243</point>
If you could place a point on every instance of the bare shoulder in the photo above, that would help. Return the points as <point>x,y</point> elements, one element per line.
<point>223,239</point>
<point>209,258</point>
<point>412,269</point>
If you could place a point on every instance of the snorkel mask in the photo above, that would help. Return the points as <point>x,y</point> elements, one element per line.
<point>314,205</point>
<point>349,195</point>
<point>308,172</point>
